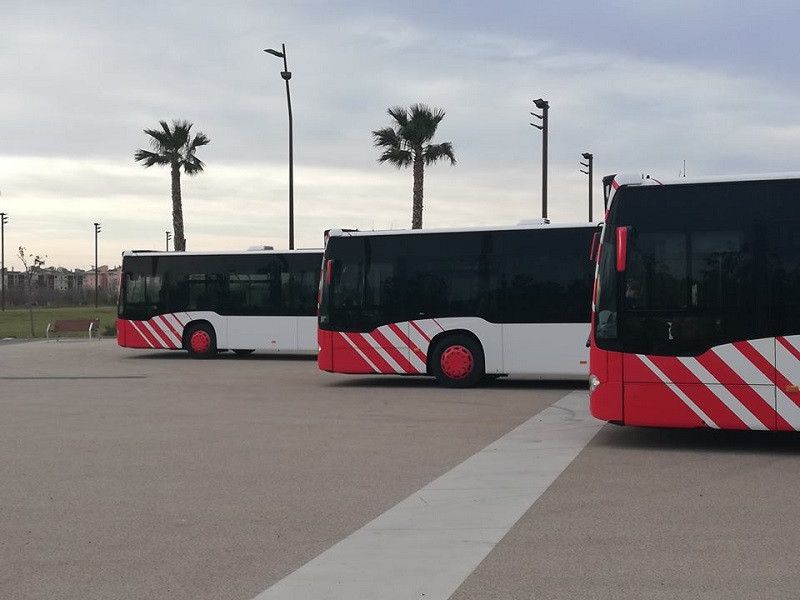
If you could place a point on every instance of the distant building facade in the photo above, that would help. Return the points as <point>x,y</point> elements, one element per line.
<point>58,285</point>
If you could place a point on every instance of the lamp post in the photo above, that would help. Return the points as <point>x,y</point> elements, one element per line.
<point>544,106</point>
<point>169,237</point>
<point>588,164</point>
<point>96,279</point>
<point>3,221</point>
<point>287,75</point>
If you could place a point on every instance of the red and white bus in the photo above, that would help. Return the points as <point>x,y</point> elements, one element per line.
<point>696,319</point>
<point>209,301</point>
<point>458,304</point>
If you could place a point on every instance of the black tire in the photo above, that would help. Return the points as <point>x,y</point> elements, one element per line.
<point>458,362</point>
<point>241,352</point>
<point>201,341</point>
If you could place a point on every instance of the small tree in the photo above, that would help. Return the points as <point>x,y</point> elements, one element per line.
<point>32,264</point>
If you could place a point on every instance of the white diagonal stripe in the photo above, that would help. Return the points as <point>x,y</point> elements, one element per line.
<point>398,343</point>
<point>745,369</point>
<point>139,331</point>
<point>430,327</point>
<point>722,394</point>
<point>425,546</point>
<point>155,333</point>
<point>677,391</point>
<point>383,353</point>
<point>176,324</point>
<point>163,326</point>
<point>418,339</point>
<point>357,349</point>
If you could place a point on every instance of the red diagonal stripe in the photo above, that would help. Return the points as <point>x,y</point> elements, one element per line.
<point>698,392</point>
<point>163,340</point>
<point>742,391</point>
<point>792,350</point>
<point>169,326</point>
<point>781,382</point>
<point>755,357</point>
<point>421,332</point>
<point>363,344</point>
<point>146,335</point>
<point>163,327</point>
<point>395,353</point>
<point>347,360</point>
<point>410,344</point>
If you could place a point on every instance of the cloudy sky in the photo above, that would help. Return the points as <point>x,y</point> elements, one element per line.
<point>642,84</point>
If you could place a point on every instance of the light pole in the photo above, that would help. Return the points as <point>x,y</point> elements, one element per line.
<point>169,237</point>
<point>96,280</point>
<point>287,75</point>
<point>544,106</point>
<point>588,164</point>
<point>3,221</point>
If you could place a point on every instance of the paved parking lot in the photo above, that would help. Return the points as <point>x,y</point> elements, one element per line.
<point>141,474</point>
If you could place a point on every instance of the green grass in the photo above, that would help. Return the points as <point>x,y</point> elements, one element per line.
<point>15,322</point>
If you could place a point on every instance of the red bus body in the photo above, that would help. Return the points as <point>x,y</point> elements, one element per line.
<point>727,354</point>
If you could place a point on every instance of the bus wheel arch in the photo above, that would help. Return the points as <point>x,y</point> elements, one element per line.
<point>456,359</point>
<point>200,339</point>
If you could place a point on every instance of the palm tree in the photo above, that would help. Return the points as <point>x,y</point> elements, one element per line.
<point>407,144</point>
<point>174,147</point>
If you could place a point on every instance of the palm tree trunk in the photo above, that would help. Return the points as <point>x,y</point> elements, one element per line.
<point>419,177</point>
<point>177,209</point>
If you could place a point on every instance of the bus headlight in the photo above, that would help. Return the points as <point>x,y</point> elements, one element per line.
<point>594,381</point>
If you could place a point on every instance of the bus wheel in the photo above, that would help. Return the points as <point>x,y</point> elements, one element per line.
<point>241,352</point>
<point>201,341</point>
<point>457,361</point>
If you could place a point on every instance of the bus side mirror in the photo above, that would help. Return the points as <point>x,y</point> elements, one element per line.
<point>595,245</point>
<point>328,271</point>
<point>622,248</point>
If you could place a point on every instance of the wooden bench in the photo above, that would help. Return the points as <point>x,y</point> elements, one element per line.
<point>87,326</point>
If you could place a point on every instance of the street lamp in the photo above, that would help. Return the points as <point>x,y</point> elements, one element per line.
<point>96,280</point>
<point>169,237</point>
<point>3,221</point>
<point>544,106</point>
<point>287,75</point>
<point>588,164</point>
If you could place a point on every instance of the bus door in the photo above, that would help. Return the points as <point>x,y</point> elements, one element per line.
<point>783,240</point>
<point>257,312</point>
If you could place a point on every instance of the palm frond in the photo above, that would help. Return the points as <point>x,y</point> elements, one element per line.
<point>435,152</point>
<point>193,165</point>
<point>386,137</point>
<point>396,156</point>
<point>148,159</point>
<point>399,114</point>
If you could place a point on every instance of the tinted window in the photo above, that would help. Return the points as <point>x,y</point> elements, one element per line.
<point>546,276</point>
<point>502,276</point>
<point>249,284</point>
<point>450,275</point>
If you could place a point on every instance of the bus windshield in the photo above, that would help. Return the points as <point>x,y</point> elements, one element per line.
<point>689,281</point>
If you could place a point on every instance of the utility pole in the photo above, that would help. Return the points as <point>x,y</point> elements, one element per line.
<point>96,278</point>
<point>3,221</point>
<point>588,164</point>
<point>544,106</point>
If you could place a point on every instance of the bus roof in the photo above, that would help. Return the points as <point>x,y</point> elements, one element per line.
<point>525,225</point>
<point>220,252</point>
<point>636,179</point>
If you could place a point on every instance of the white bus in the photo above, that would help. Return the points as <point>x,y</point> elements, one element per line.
<point>458,304</point>
<point>209,301</point>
